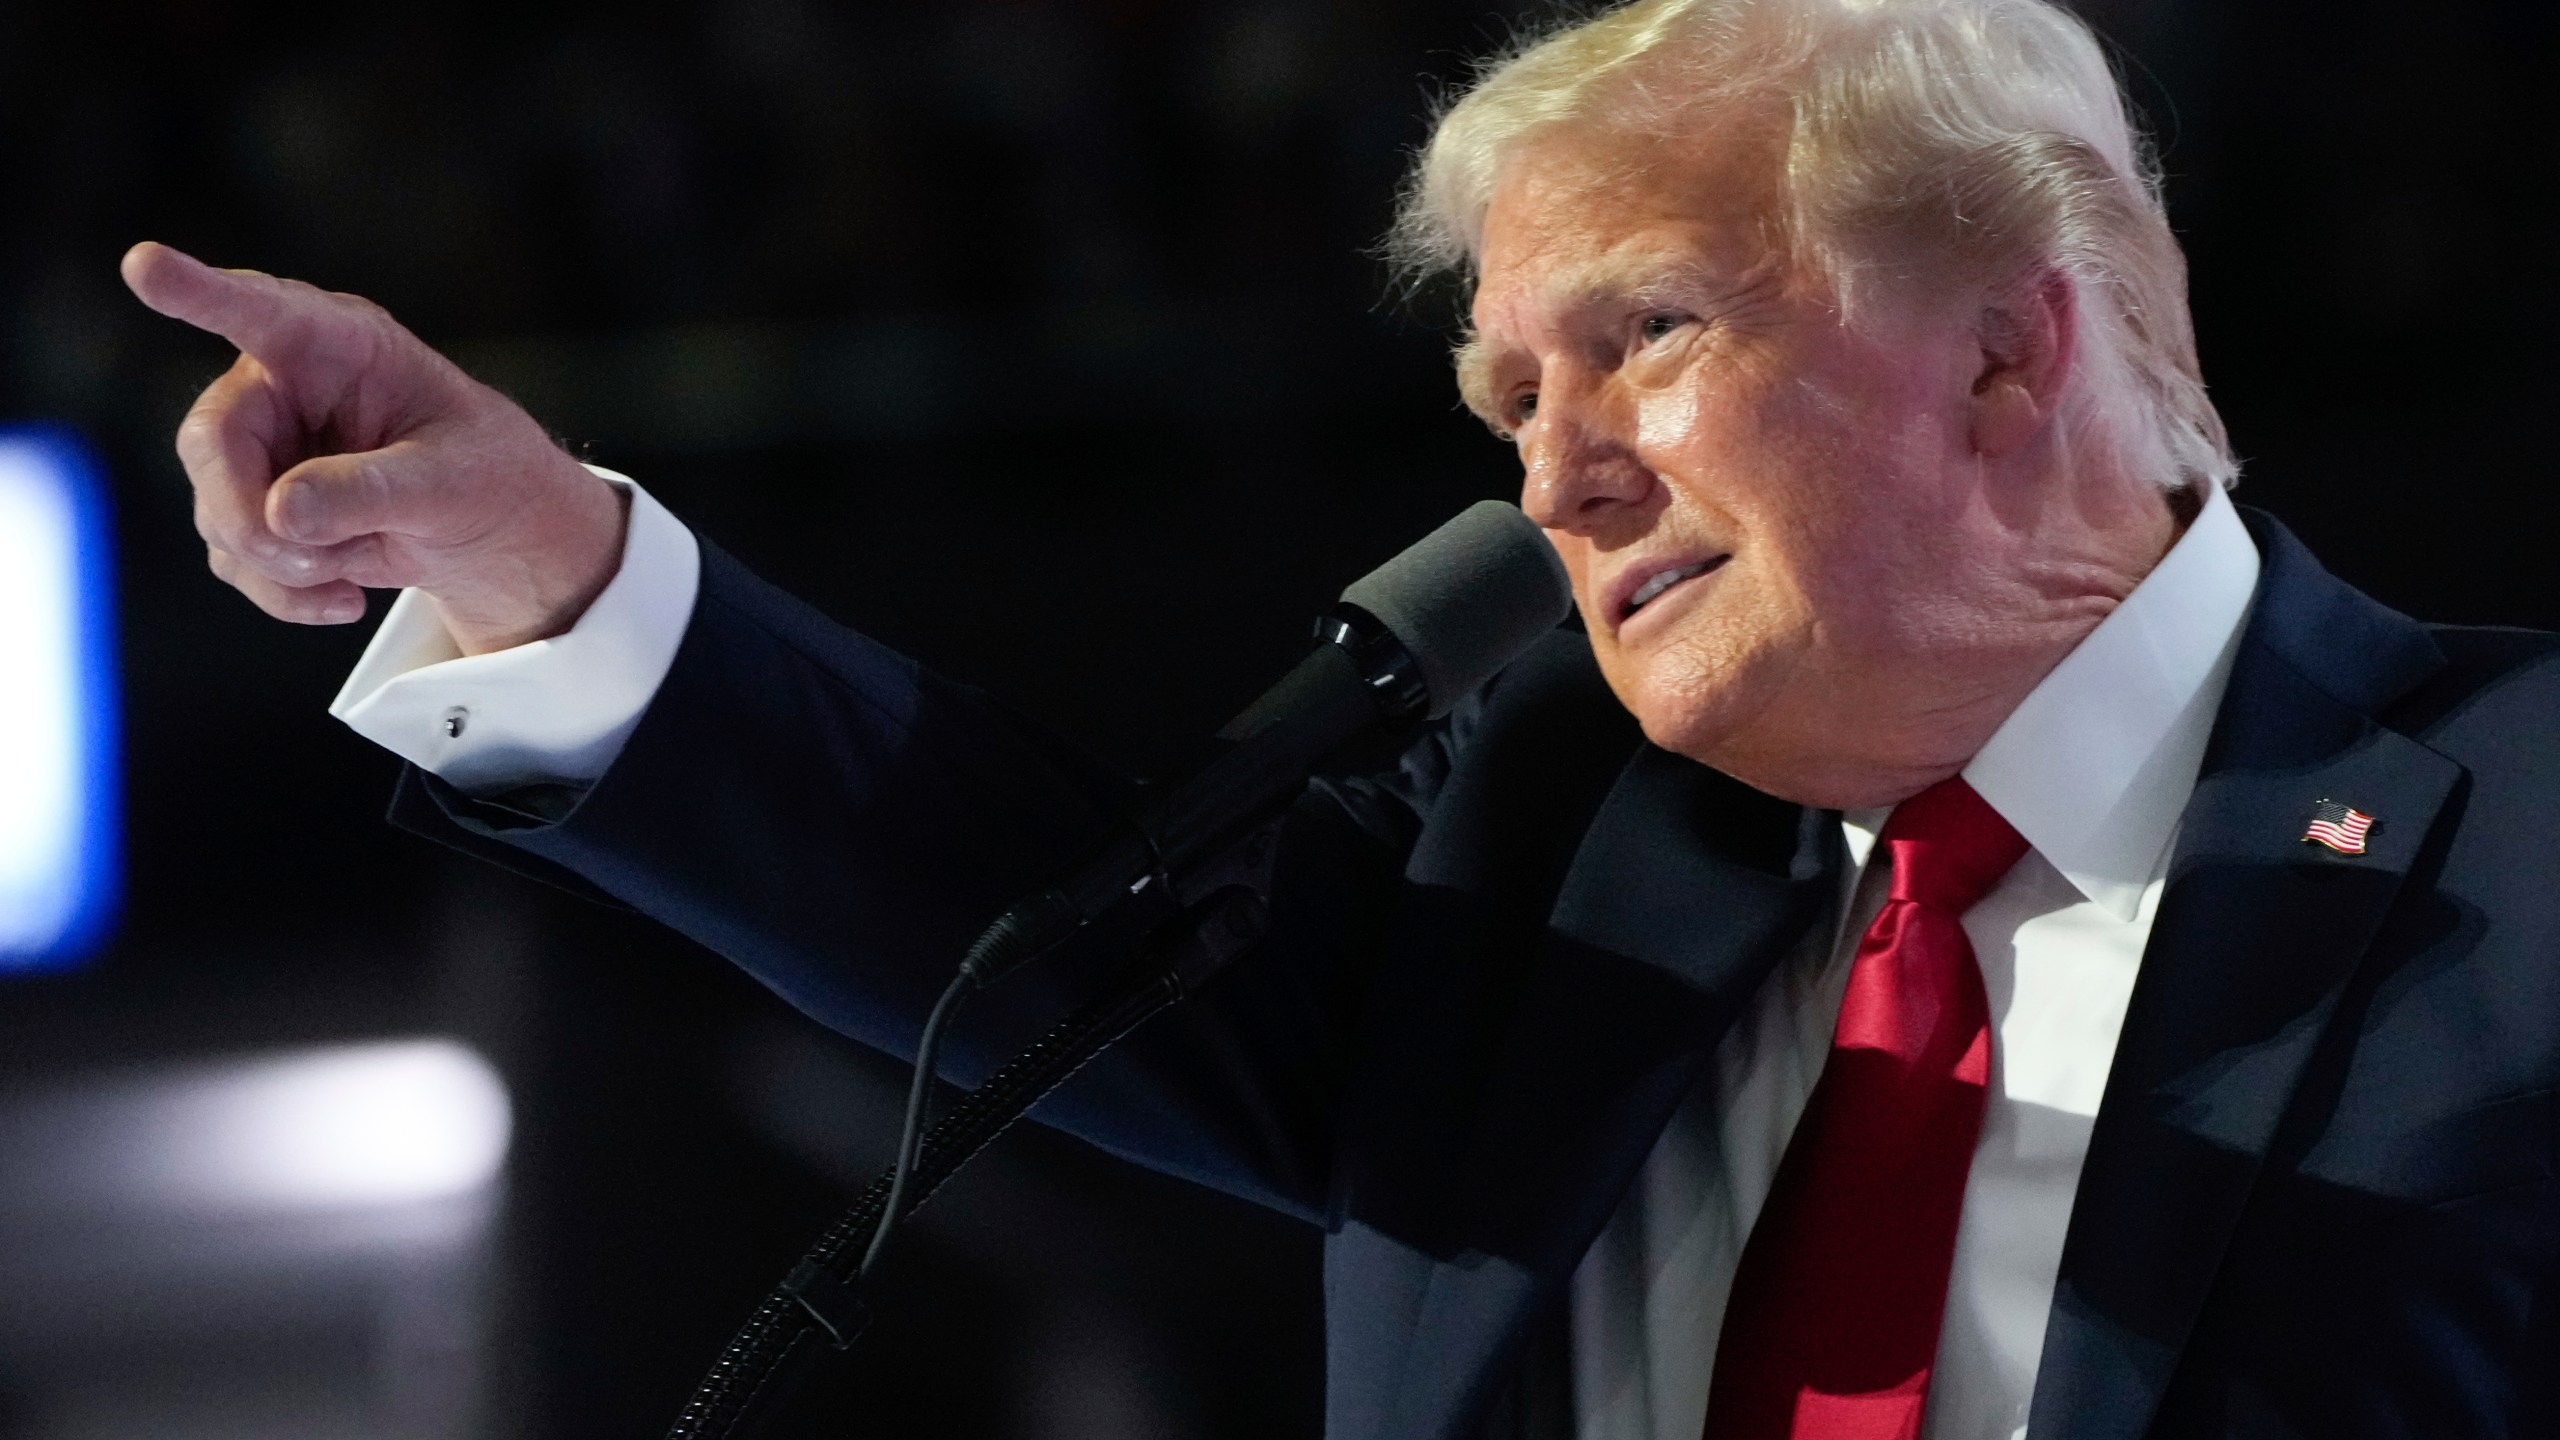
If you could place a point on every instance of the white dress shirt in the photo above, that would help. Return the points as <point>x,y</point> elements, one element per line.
<point>2093,768</point>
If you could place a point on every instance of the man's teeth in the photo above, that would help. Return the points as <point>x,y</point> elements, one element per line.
<point>1662,582</point>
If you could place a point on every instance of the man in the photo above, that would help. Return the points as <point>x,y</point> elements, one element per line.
<point>1979,938</point>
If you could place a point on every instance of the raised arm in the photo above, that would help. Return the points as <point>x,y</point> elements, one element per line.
<point>808,803</point>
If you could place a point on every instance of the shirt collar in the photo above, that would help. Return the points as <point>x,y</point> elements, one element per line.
<point>2095,766</point>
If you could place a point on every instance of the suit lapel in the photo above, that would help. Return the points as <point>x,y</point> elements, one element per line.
<point>2256,937</point>
<point>1685,890</point>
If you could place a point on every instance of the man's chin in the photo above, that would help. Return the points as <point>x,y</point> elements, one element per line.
<point>1799,759</point>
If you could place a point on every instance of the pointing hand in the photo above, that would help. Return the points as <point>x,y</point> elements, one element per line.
<point>339,452</point>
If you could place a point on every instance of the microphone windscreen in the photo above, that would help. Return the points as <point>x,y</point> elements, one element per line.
<point>1469,597</point>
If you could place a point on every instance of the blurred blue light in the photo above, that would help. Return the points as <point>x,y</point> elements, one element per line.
<point>60,866</point>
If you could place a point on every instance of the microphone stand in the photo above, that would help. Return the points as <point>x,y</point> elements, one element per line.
<point>818,1310</point>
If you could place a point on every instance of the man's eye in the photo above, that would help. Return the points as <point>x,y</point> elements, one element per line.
<point>1523,406</point>
<point>1660,325</point>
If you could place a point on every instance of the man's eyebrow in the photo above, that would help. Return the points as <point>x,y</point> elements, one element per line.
<point>1645,280</point>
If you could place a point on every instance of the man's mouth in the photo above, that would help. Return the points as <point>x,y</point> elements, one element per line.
<point>1646,593</point>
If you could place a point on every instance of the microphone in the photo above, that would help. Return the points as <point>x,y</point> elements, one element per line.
<point>1405,643</point>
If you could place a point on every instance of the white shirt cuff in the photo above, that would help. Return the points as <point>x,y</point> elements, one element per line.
<point>552,711</point>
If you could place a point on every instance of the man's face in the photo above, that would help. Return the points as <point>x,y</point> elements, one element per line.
<point>1793,561</point>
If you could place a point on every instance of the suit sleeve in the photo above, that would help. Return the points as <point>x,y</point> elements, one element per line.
<point>842,823</point>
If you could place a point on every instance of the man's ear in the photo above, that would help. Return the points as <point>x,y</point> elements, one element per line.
<point>2029,337</point>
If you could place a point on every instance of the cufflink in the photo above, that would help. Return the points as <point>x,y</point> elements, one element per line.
<point>453,721</point>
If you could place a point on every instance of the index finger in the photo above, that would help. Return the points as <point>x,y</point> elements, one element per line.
<point>253,310</point>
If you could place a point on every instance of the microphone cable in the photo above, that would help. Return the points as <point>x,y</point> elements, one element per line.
<point>911,1130</point>
<point>779,1345</point>
<point>997,950</point>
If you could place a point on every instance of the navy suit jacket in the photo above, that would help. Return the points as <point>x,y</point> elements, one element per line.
<point>2319,1193</point>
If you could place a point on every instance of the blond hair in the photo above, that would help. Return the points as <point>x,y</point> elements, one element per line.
<point>1926,142</point>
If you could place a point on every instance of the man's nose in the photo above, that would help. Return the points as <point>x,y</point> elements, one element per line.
<point>1578,472</point>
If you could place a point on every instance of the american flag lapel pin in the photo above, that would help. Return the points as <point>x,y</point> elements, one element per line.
<point>2337,826</point>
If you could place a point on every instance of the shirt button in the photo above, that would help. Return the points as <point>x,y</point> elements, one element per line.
<point>453,721</point>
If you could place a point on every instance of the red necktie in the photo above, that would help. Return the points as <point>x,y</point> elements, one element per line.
<point>1833,1324</point>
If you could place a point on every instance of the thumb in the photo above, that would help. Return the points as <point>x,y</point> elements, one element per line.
<point>254,311</point>
<point>332,498</point>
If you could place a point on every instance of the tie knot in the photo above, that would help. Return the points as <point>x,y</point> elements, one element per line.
<point>1949,847</point>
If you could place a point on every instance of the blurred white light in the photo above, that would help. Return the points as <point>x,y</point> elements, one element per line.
<point>361,1125</point>
<point>57,710</point>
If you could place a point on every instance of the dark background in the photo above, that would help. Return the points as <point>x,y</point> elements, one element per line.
<point>1041,339</point>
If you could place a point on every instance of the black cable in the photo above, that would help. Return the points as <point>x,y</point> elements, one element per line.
<point>815,1310</point>
<point>997,950</point>
<point>911,1133</point>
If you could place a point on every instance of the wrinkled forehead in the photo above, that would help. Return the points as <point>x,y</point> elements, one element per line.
<point>1576,220</point>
